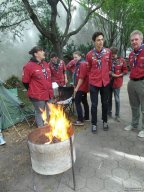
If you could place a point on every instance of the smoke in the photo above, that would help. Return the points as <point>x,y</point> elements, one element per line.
<point>14,52</point>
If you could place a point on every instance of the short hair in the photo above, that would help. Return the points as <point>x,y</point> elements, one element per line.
<point>53,54</point>
<point>137,32</point>
<point>114,50</point>
<point>78,53</point>
<point>35,50</point>
<point>96,34</point>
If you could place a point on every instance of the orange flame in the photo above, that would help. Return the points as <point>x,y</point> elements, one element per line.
<point>44,116</point>
<point>58,123</point>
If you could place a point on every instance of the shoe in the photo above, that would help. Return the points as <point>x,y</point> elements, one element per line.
<point>94,129</point>
<point>105,126</point>
<point>78,123</point>
<point>117,119</point>
<point>86,119</point>
<point>141,134</point>
<point>129,128</point>
<point>110,115</point>
<point>2,141</point>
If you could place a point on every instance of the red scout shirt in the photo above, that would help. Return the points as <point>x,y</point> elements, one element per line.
<point>118,68</point>
<point>99,76</point>
<point>137,70</point>
<point>82,73</point>
<point>71,65</point>
<point>58,74</point>
<point>39,87</point>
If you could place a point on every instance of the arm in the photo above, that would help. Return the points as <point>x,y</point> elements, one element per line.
<point>71,65</point>
<point>66,80</point>
<point>124,69</point>
<point>82,75</point>
<point>26,76</point>
<point>26,85</point>
<point>64,71</point>
<point>80,82</point>
<point>89,61</point>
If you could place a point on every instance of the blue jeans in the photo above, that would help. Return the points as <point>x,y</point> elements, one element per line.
<point>104,92</point>
<point>81,97</point>
<point>117,101</point>
<point>39,107</point>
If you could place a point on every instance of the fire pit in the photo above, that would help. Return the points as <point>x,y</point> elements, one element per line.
<point>50,154</point>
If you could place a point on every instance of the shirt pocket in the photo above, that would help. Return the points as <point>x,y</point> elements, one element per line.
<point>106,60</point>
<point>141,63</point>
<point>38,74</point>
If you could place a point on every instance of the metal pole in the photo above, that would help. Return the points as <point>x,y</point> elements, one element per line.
<point>72,160</point>
<point>32,173</point>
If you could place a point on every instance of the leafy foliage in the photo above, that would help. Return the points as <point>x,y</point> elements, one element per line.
<point>116,19</point>
<point>68,50</point>
<point>13,82</point>
<point>12,16</point>
<point>44,15</point>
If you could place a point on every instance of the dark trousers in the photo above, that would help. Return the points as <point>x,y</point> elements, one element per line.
<point>81,97</point>
<point>104,92</point>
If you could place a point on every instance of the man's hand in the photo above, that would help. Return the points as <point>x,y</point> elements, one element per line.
<point>75,89</point>
<point>114,75</point>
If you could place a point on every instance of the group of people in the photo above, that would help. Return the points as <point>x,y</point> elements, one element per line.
<point>101,71</point>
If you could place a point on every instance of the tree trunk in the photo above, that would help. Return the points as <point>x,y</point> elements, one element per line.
<point>58,48</point>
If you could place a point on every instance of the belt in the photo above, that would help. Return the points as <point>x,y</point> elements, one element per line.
<point>137,79</point>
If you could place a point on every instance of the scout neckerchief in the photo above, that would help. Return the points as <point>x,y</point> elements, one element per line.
<point>114,62</point>
<point>76,69</point>
<point>136,53</point>
<point>56,65</point>
<point>42,65</point>
<point>99,56</point>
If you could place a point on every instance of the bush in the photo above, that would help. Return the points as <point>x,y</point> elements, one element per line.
<point>71,47</point>
<point>84,49</point>
<point>13,82</point>
<point>68,51</point>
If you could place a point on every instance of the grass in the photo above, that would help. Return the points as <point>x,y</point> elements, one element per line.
<point>22,94</point>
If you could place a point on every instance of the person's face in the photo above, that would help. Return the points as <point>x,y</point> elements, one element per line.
<point>99,41</point>
<point>114,56</point>
<point>40,55</point>
<point>136,41</point>
<point>76,57</point>
<point>54,59</point>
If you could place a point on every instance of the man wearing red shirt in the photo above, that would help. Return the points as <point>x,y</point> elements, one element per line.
<point>58,70</point>
<point>99,61</point>
<point>71,66</point>
<point>36,78</point>
<point>118,69</point>
<point>80,78</point>
<point>136,82</point>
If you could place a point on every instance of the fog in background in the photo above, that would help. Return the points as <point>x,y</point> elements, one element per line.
<point>14,52</point>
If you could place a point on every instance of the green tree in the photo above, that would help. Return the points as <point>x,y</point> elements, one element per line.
<point>12,16</point>
<point>47,10</point>
<point>132,20</point>
<point>118,19</point>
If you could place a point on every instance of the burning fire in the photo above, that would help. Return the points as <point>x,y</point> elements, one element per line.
<point>58,124</point>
